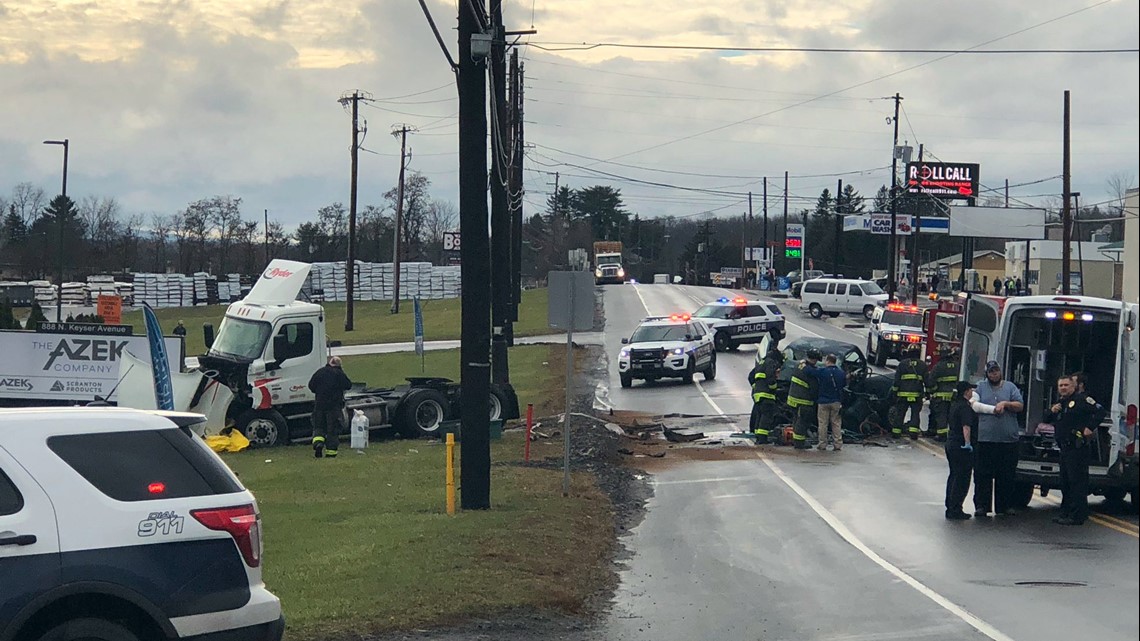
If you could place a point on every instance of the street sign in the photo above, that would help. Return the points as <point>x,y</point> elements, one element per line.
<point>756,253</point>
<point>881,224</point>
<point>734,272</point>
<point>451,241</point>
<point>570,304</point>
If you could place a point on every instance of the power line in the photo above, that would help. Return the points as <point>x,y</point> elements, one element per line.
<point>588,46</point>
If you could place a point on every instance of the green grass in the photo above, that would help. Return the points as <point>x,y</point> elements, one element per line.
<point>362,544</point>
<point>536,371</point>
<point>373,321</point>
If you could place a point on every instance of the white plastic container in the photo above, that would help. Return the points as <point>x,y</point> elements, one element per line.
<point>358,438</point>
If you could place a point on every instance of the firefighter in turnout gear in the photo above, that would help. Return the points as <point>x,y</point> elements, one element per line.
<point>909,390</point>
<point>802,394</point>
<point>942,383</point>
<point>763,379</point>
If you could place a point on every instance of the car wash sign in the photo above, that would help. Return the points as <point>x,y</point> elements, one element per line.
<point>944,180</point>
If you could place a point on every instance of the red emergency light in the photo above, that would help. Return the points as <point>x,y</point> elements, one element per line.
<point>913,338</point>
<point>679,317</point>
<point>899,307</point>
<point>739,301</point>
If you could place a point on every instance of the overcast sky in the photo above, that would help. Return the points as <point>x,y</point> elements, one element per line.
<point>165,102</point>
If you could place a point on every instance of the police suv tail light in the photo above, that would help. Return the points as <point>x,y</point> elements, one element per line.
<point>242,522</point>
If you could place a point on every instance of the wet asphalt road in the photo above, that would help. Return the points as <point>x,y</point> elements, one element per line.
<point>778,544</point>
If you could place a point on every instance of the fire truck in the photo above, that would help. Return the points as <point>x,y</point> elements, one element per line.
<point>944,325</point>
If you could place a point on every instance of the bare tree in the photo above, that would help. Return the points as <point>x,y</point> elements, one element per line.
<point>100,216</point>
<point>332,221</point>
<point>129,240</point>
<point>27,201</point>
<point>180,228</point>
<point>1118,185</point>
<point>160,228</point>
<point>278,240</point>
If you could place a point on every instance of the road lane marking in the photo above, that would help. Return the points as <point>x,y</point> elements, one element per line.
<point>1110,522</point>
<point>842,530</point>
<point>737,496</point>
<point>637,290</point>
<point>708,398</point>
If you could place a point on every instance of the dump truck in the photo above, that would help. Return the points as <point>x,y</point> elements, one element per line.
<point>608,267</point>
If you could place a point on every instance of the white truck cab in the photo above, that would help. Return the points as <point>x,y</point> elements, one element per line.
<point>1036,339</point>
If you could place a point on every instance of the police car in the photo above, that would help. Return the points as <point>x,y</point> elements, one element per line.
<point>122,525</point>
<point>735,321</point>
<point>675,346</point>
<point>894,328</point>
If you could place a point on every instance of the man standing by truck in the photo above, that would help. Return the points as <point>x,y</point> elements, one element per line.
<point>996,466</point>
<point>328,385</point>
<point>1075,417</point>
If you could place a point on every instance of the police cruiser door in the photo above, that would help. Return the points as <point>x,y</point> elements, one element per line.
<point>703,348</point>
<point>29,538</point>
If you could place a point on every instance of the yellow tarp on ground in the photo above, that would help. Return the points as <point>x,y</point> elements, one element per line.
<point>232,441</point>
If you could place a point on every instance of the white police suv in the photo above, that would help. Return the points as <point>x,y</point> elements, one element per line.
<point>736,321</point>
<point>674,346</point>
<point>121,525</point>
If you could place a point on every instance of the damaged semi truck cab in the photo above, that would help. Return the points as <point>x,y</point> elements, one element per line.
<point>255,374</point>
<point>1037,339</point>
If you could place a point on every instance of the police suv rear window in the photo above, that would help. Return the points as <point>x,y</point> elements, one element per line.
<point>10,499</point>
<point>145,466</point>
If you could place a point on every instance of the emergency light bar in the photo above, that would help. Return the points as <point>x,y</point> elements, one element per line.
<point>739,301</point>
<point>1069,316</point>
<point>899,307</point>
<point>679,317</point>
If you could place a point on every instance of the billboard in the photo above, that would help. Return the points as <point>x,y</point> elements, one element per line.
<point>68,367</point>
<point>997,222</point>
<point>945,180</point>
<point>881,224</point>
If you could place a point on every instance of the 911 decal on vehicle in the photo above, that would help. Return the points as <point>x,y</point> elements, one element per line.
<point>161,523</point>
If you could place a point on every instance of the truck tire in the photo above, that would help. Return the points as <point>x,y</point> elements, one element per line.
<point>499,402</point>
<point>626,381</point>
<point>880,355</point>
<point>89,629</point>
<point>868,311</point>
<point>815,310</point>
<point>870,354</point>
<point>1022,495</point>
<point>1115,495</point>
<point>687,377</point>
<point>263,428</point>
<point>421,413</point>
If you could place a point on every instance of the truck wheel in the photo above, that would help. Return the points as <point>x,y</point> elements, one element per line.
<point>881,356</point>
<point>868,352</point>
<point>1022,495</point>
<point>687,377</point>
<point>263,428</point>
<point>421,413</point>
<point>710,371</point>
<point>626,381</point>
<point>868,311</point>
<point>1114,495</point>
<point>721,341</point>
<point>87,629</point>
<point>833,314</point>
<point>815,310</point>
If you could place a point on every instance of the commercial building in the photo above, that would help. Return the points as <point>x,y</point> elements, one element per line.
<point>1092,266</point>
<point>1131,267</point>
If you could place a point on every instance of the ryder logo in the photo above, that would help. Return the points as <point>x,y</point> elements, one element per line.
<point>276,272</point>
<point>87,350</point>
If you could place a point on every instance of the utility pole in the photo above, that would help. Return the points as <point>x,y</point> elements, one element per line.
<point>786,213</point>
<point>500,209</point>
<point>1066,209</point>
<point>66,144</point>
<point>350,266</point>
<point>516,190</point>
<point>266,236</point>
<point>767,250</point>
<point>397,245</point>
<point>838,224</point>
<point>475,376</point>
<point>918,211</point>
<point>892,276</point>
<point>748,243</point>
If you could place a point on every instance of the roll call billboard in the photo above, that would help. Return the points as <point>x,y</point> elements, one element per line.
<point>945,180</point>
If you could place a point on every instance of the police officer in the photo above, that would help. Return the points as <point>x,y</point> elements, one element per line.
<point>1075,417</point>
<point>763,378</point>
<point>802,394</point>
<point>942,381</point>
<point>909,389</point>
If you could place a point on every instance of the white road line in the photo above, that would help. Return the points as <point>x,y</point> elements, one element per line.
<point>637,290</point>
<point>717,479</point>
<point>708,398</point>
<point>736,496</point>
<point>849,536</point>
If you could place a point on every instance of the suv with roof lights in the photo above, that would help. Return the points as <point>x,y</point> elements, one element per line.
<point>736,321</point>
<point>674,346</point>
<point>122,525</point>
<point>894,328</point>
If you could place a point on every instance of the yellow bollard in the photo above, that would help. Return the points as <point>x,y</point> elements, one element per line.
<point>451,474</point>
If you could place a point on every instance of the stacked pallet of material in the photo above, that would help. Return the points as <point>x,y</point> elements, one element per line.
<point>44,292</point>
<point>365,281</point>
<point>212,290</point>
<point>74,294</point>
<point>199,291</point>
<point>449,279</point>
<point>126,291</point>
<point>100,285</point>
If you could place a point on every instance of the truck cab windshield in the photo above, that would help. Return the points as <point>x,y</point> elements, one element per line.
<point>241,339</point>
<point>902,319</point>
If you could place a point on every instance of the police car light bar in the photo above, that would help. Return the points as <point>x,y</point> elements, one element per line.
<point>679,317</point>
<point>722,299</point>
<point>899,307</point>
<point>739,301</point>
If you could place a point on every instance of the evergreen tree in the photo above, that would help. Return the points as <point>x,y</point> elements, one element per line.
<point>35,317</point>
<point>7,319</point>
<point>882,202</point>
<point>824,206</point>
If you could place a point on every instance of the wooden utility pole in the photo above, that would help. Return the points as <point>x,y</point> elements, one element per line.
<point>475,376</point>
<point>838,224</point>
<point>350,264</point>
<point>516,190</point>
<point>500,208</point>
<point>1066,208</point>
<point>918,211</point>
<point>785,233</point>
<point>892,276</point>
<point>397,245</point>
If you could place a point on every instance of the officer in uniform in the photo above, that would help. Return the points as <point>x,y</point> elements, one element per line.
<point>1075,418</point>
<point>802,394</point>
<point>909,389</point>
<point>942,382</point>
<point>763,379</point>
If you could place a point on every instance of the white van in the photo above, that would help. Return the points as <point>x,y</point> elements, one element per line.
<point>835,296</point>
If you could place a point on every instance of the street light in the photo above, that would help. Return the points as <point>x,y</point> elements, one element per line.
<point>59,224</point>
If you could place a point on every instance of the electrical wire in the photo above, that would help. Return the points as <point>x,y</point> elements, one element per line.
<point>589,46</point>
